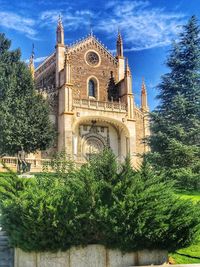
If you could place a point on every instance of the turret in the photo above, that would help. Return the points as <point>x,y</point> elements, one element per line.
<point>128,90</point>
<point>120,57</point>
<point>128,78</point>
<point>65,98</point>
<point>144,105</point>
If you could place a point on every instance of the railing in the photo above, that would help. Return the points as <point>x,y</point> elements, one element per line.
<point>100,105</point>
<point>39,165</point>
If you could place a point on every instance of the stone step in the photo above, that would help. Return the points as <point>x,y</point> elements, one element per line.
<point>2,235</point>
<point>4,240</point>
<point>6,253</point>
<point>2,248</point>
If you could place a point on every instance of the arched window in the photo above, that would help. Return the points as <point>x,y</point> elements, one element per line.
<point>91,88</point>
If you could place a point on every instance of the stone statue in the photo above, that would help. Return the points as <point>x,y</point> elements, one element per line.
<point>22,165</point>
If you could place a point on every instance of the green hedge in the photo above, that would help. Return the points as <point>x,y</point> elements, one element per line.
<point>102,202</point>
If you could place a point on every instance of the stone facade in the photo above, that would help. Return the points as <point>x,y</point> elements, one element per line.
<point>90,256</point>
<point>91,99</point>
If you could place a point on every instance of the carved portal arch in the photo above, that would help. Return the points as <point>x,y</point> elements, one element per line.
<point>92,144</point>
<point>114,122</point>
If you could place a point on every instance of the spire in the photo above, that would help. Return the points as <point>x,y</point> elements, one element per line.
<point>60,31</point>
<point>91,30</point>
<point>119,45</point>
<point>144,104</point>
<point>127,69</point>
<point>31,62</point>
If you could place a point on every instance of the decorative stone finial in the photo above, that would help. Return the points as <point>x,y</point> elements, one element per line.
<point>60,31</point>
<point>60,24</point>
<point>91,30</point>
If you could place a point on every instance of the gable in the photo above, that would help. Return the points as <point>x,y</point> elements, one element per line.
<point>89,58</point>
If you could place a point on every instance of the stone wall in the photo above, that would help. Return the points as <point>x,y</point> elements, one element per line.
<point>89,256</point>
<point>81,71</point>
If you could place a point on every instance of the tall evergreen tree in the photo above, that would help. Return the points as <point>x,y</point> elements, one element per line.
<point>113,90</point>
<point>175,139</point>
<point>24,114</point>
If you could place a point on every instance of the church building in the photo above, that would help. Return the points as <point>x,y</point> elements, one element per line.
<point>91,100</point>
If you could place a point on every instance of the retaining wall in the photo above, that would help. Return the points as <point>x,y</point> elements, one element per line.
<point>89,256</point>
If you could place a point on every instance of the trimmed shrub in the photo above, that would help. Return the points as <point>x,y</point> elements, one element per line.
<point>102,202</point>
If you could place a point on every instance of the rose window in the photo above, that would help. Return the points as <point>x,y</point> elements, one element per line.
<point>92,58</point>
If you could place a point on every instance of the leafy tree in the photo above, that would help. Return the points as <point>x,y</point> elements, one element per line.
<point>24,114</point>
<point>175,139</point>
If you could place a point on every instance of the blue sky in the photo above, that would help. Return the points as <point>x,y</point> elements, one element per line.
<point>147,27</point>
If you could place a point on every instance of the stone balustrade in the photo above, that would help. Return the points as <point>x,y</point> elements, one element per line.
<point>37,165</point>
<point>100,105</point>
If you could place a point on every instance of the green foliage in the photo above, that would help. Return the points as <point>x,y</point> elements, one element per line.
<point>61,164</point>
<point>188,194</point>
<point>175,139</point>
<point>185,178</point>
<point>103,202</point>
<point>113,90</point>
<point>190,254</point>
<point>24,114</point>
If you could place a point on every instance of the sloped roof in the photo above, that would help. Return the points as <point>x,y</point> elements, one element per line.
<point>74,47</point>
<point>88,39</point>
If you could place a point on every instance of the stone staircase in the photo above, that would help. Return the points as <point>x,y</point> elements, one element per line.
<point>6,252</point>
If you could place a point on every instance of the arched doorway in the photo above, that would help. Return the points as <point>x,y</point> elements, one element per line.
<point>92,133</point>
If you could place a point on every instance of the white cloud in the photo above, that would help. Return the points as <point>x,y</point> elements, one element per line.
<point>16,22</point>
<point>142,26</point>
<point>49,17</point>
<point>36,60</point>
<point>39,59</point>
<point>72,19</point>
